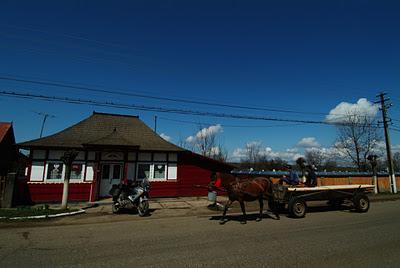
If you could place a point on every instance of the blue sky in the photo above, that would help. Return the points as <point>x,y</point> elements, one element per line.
<point>303,56</point>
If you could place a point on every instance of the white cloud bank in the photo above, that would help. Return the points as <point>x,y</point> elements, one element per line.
<point>288,155</point>
<point>343,110</point>
<point>308,142</point>
<point>205,132</point>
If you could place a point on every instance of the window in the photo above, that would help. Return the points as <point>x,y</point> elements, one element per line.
<point>144,156</point>
<point>90,171</point>
<point>54,171</point>
<point>152,171</point>
<point>160,157</point>
<point>76,171</point>
<point>143,171</point>
<point>159,171</point>
<point>37,171</point>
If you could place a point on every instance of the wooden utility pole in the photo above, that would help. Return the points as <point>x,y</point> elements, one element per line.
<point>155,123</point>
<point>392,177</point>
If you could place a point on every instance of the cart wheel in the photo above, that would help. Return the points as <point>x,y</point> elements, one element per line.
<point>361,203</point>
<point>297,208</point>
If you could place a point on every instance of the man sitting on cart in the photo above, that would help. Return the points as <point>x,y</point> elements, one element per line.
<point>292,178</point>
<point>311,176</point>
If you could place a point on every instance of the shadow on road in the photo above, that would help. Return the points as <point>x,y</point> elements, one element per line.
<point>128,211</point>
<point>346,208</point>
<point>238,218</point>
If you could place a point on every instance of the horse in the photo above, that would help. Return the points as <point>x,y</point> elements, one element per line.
<point>249,189</point>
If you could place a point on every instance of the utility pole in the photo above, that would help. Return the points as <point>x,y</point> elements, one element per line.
<point>155,123</point>
<point>392,178</point>
<point>44,120</point>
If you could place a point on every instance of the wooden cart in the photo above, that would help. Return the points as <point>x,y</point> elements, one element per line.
<point>296,197</point>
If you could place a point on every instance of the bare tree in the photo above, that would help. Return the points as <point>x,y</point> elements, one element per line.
<point>220,153</point>
<point>253,152</point>
<point>396,161</point>
<point>205,143</point>
<point>315,157</point>
<point>357,137</point>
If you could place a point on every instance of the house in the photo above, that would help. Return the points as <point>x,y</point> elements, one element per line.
<point>112,149</point>
<point>8,150</point>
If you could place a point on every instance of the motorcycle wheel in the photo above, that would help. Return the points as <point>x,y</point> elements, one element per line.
<point>116,208</point>
<point>143,208</point>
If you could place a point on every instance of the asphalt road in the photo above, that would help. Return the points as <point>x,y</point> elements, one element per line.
<point>322,239</point>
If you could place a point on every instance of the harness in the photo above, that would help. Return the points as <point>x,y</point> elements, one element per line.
<point>239,187</point>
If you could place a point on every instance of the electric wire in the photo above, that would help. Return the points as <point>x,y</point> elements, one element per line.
<point>140,95</point>
<point>163,109</point>
<point>227,126</point>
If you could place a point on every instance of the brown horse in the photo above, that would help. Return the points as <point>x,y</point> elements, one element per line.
<point>249,189</point>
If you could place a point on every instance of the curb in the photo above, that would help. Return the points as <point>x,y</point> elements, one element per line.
<point>46,216</point>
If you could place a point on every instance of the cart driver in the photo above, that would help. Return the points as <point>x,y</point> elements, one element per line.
<point>292,178</point>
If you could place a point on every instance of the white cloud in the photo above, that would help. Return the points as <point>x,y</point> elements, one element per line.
<point>288,155</point>
<point>165,137</point>
<point>343,110</point>
<point>211,130</point>
<point>190,139</point>
<point>205,132</point>
<point>238,154</point>
<point>308,142</point>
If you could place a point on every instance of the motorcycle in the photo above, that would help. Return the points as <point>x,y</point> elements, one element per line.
<point>131,195</point>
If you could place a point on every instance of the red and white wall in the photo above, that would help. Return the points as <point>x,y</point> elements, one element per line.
<point>170,173</point>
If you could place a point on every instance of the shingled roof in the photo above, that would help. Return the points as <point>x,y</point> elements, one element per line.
<point>108,131</point>
<point>4,128</point>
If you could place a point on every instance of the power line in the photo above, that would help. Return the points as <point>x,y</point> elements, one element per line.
<point>64,85</point>
<point>97,52</point>
<point>97,59</point>
<point>75,37</point>
<point>179,100</point>
<point>160,109</point>
<point>228,126</point>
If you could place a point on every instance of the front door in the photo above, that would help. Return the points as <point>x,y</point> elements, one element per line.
<point>110,174</point>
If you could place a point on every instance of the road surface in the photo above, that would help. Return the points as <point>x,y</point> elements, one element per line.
<point>322,239</point>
